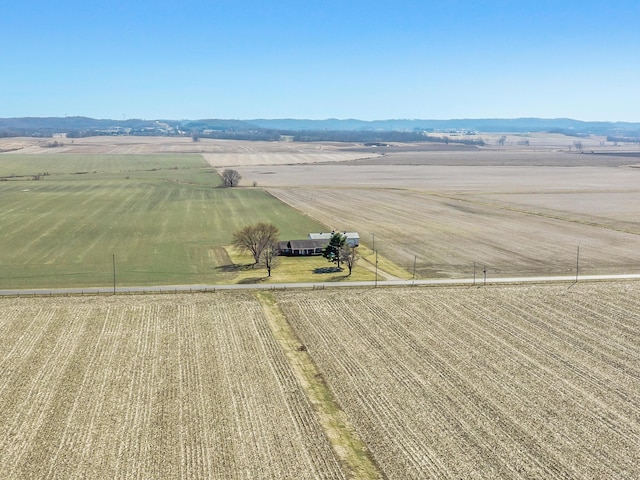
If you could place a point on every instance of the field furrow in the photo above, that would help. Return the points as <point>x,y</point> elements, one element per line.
<point>152,387</point>
<point>40,409</point>
<point>513,382</point>
<point>510,382</point>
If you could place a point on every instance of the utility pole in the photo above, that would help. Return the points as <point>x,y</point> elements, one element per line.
<point>114,272</point>
<point>577,263</point>
<point>414,267</point>
<point>376,284</point>
<point>474,273</point>
<point>484,271</point>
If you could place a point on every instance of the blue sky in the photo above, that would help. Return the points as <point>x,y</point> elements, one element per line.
<point>321,59</point>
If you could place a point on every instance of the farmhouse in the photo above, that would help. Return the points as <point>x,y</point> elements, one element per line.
<point>301,247</point>
<point>353,239</point>
<point>314,245</point>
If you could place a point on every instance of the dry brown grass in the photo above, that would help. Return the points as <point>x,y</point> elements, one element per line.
<point>511,233</point>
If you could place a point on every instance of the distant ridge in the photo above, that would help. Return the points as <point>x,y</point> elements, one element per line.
<point>272,128</point>
<point>476,124</point>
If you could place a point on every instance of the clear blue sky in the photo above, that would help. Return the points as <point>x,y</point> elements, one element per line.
<point>321,59</point>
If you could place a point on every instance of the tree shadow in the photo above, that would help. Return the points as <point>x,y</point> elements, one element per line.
<point>226,268</point>
<point>235,268</point>
<point>327,270</point>
<point>338,278</point>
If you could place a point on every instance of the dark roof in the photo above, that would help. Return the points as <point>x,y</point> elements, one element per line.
<point>283,245</point>
<point>306,244</point>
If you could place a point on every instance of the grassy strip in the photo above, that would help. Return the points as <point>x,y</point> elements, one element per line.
<point>349,447</point>
<point>387,270</point>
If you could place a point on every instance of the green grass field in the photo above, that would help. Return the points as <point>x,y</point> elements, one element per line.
<point>163,217</point>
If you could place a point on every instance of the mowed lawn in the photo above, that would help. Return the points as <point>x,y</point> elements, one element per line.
<point>164,218</point>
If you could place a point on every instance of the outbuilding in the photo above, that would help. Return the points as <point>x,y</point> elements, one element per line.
<point>353,239</point>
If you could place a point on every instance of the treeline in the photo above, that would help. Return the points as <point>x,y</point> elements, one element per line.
<point>262,135</point>
<point>634,138</point>
<point>20,132</point>
<point>331,130</point>
<point>375,137</point>
<point>336,136</point>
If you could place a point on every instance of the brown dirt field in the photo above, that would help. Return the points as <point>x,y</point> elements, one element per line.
<point>478,383</point>
<point>220,153</point>
<point>158,387</point>
<point>16,144</point>
<point>509,382</point>
<point>516,212</point>
<point>448,233</point>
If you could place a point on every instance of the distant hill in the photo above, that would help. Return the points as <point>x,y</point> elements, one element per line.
<point>309,130</point>
<point>472,124</point>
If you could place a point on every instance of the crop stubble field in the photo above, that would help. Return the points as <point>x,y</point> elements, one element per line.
<point>501,382</point>
<point>516,216</point>
<point>509,382</point>
<point>152,387</point>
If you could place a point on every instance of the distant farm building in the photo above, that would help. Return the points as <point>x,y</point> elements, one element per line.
<point>353,239</point>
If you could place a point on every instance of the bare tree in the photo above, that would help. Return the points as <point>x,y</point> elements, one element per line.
<point>578,145</point>
<point>256,238</point>
<point>349,255</point>
<point>501,140</point>
<point>270,257</point>
<point>230,178</point>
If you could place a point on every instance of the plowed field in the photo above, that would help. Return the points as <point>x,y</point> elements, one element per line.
<point>513,382</point>
<point>151,388</point>
<point>510,382</point>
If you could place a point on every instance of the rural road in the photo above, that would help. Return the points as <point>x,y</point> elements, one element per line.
<point>321,285</point>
